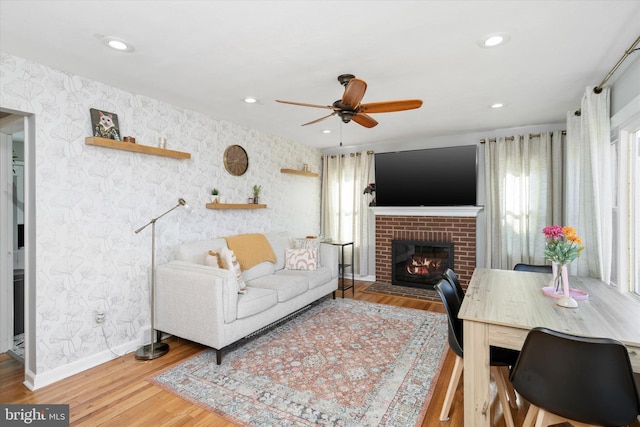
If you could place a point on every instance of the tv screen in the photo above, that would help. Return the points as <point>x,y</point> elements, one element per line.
<point>429,177</point>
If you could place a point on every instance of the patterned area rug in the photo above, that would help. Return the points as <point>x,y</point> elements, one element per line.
<point>403,291</point>
<point>340,363</point>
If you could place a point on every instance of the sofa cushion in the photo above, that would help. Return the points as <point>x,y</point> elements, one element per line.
<point>197,251</point>
<point>262,269</point>
<point>279,242</point>
<point>256,301</point>
<point>286,286</point>
<point>313,278</point>
<point>300,259</point>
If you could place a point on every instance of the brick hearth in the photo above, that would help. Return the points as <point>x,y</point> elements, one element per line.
<point>459,230</point>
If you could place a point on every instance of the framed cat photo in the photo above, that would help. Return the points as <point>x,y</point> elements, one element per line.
<point>105,124</point>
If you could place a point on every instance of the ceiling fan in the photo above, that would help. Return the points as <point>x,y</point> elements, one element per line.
<point>349,107</point>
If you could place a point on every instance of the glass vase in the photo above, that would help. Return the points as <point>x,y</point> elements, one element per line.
<point>566,300</point>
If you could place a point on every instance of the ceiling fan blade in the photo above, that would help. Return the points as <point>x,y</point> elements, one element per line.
<point>331,107</point>
<point>364,120</point>
<point>390,106</point>
<point>320,119</point>
<point>353,93</point>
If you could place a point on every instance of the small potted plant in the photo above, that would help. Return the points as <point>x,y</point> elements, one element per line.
<point>215,198</point>
<point>256,193</point>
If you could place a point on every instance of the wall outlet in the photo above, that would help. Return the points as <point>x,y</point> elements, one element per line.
<point>100,316</point>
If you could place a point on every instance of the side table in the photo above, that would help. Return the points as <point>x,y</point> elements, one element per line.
<point>342,265</point>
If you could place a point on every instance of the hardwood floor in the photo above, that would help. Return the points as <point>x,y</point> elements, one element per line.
<point>117,393</point>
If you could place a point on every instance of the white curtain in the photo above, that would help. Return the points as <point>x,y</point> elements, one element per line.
<point>589,184</point>
<point>523,181</point>
<point>345,207</point>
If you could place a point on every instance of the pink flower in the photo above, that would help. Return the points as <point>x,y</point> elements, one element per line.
<point>553,232</point>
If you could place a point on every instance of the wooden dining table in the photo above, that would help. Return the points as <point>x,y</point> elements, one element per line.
<point>501,306</point>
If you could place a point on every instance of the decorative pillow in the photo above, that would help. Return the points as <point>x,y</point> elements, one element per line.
<point>308,242</point>
<point>214,259</point>
<point>300,259</point>
<point>229,258</point>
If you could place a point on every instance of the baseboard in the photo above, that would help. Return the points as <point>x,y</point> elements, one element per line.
<point>36,381</point>
<point>366,278</point>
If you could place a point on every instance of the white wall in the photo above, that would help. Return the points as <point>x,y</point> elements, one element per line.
<point>625,83</point>
<point>89,200</point>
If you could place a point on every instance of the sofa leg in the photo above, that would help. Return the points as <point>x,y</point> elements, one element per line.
<point>218,356</point>
<point>334,294</point>
<point>158,336</point>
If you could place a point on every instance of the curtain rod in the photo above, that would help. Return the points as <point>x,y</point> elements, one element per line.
<point>333,156</point>
<point>510,138</point>
<point>628,52</point>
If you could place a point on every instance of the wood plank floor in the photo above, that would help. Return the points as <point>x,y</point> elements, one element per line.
<point>117,393</point>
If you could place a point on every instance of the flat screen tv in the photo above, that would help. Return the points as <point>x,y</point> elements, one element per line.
<point>429,177</point>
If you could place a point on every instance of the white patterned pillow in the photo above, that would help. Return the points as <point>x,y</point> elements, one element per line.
<point>300,259</point>
<point>214,259</point>
<point>309,243</point>
<point>230,260</point>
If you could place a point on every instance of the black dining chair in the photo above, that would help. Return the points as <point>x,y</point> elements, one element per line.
<point>452,277</point>
<point>533,268</point>
<point>579,380</point>
<point>499,357</point>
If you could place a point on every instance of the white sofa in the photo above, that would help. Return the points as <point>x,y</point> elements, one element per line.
<point>200,303</point>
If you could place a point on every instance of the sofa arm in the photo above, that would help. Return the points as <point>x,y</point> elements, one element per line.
<point>194,301</point>
<point>329,257</point>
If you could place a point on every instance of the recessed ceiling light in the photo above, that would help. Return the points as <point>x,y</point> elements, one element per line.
<point>250,100</point>
<point>493,40</point>
<point>497,105</point>
<point>326,131</point>
<point>117,44</point>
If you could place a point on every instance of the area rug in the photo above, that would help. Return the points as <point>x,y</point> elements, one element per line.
<point>342,362</point>
<point>403,291</point>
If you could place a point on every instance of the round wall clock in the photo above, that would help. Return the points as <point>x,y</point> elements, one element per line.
<point>236,160</point>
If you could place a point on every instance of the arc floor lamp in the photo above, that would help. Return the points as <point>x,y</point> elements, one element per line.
<point>155,349</point>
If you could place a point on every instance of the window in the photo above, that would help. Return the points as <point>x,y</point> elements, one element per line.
<point>626,214</point>
<point>634,212</point>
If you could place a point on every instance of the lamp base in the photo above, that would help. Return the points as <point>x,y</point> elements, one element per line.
<point>152,351</point>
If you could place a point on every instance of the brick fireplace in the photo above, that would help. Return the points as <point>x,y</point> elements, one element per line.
<point>449,225</point>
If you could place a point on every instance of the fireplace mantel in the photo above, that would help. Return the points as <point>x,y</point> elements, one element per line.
<point>455,211</point>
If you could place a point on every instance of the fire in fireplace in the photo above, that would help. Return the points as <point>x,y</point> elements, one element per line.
<point>420,264</point>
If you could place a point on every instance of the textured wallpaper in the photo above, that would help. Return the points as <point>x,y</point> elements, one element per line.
<point>89,201</point>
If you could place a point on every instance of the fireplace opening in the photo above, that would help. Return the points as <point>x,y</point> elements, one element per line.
<point>420,264</point>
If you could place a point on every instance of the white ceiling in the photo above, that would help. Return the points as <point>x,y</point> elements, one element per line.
<point>208,55</point>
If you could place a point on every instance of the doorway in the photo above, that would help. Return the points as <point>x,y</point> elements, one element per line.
<point>17,219</point>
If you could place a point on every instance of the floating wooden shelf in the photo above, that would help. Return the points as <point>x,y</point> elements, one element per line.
<point>297,172</point>
<point>235,206</point>
<point>137,148</point>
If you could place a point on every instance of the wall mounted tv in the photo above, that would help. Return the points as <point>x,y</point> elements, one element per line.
<point>429,177</point>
